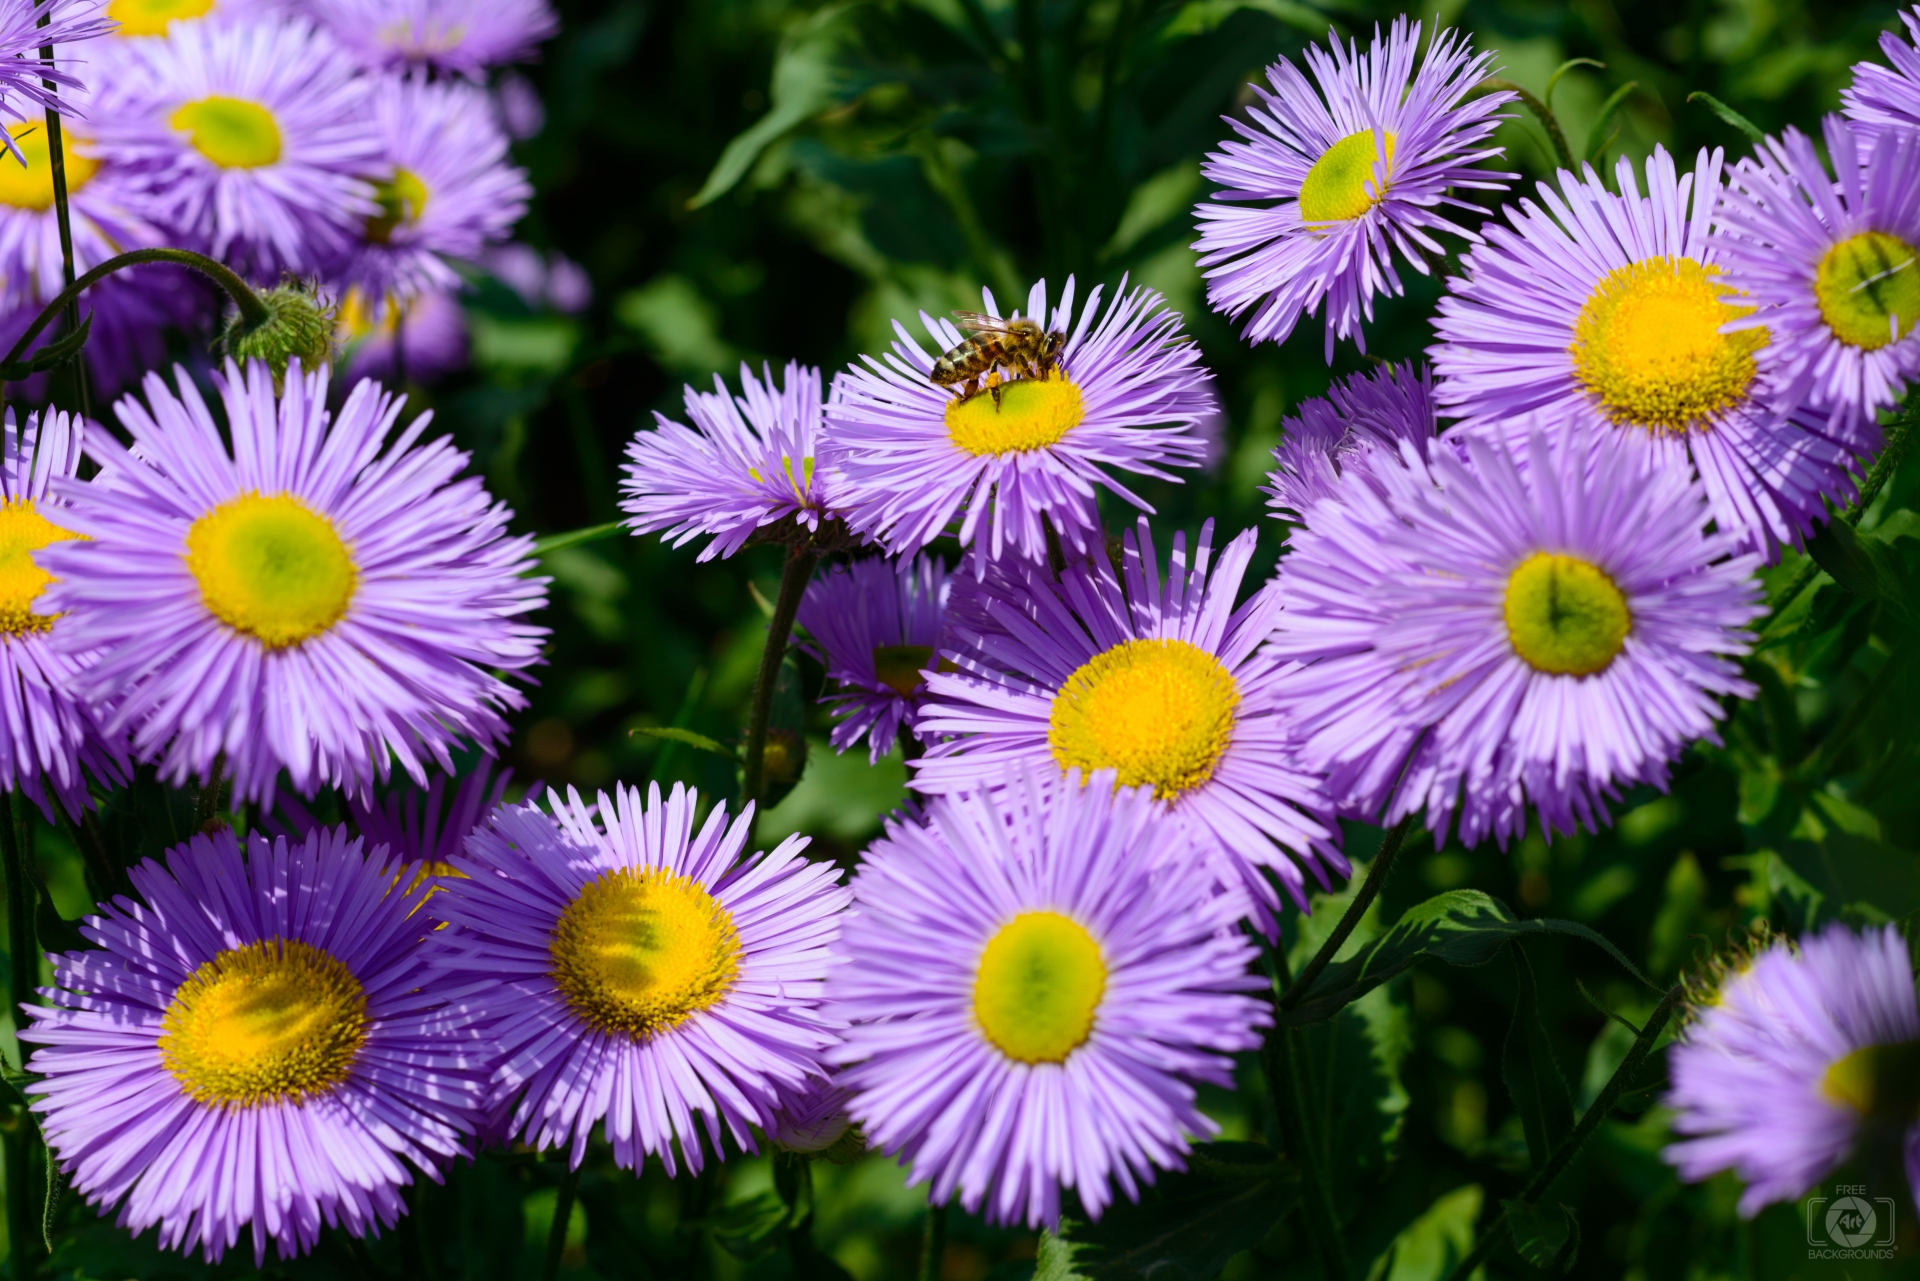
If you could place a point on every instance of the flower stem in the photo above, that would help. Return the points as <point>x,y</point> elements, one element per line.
<point>933,1242</point>
<point>57,169</point>
<point>1369,890</point>
<point>557,1232</point>
<point>1283,1062</point>
<point>1563,1156</point>
<point>23,951</point>
<point>793,585</point>
<point>1541,111</point>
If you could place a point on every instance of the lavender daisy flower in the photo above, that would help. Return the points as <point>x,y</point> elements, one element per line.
<point>422,339</point>
<point>1888,97</point>
<point>257,1046</point>
<point>877,624</point>
<point>1127,393</point>
<point>103,200</point>
<point>814,1122</point>
<point>748,461</point>
<point>316,601</point>
<point>1535,627</point>
<point>419,825</point>
<point>641,974</point>
<point>253,138</point>
<point>1611,308</point>
<point>1361,414</point>
<point>1833,268</point>
<point>49,739</point>
<point>464,37</point>
<point>1162,680</point>
<point>25,91</point>
<point>448,190</point>
<point>1804,1057</point>
<point>1330,185</point>
<point>1034,979</point>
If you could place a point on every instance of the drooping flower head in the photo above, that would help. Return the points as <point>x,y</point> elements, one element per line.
<point>1034,979</point>
<point>464,37</point>
<point>642,976</point>
<point>257,1046</point>
<point>1832,268</point>
<point>1613,309</point>
<point>1888,97</point>
<point>24,91</point>
<point>1330,185</point>
<point>1361,414</point>
<point>420,340</point>
<point>1126,393</point>
<point>318,600</point>
<point>255,139</point>
<point>447,189</point>
<point>748,461</point>
<point>1541,628</point>
<point>1805,1057</point>
<point>49,739</point>
<point>1161,680</point>
<point>877,623</point>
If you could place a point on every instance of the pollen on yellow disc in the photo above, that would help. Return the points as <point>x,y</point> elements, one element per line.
<point>1648,344</point>
<point>1880,1082</point>
<point>1038,987</point>
<point>1868,287</point>
<point>24,531</point>
<point>30,186</point>
<point>1159,712</point>
<point>271,568</point>
<point>270,1022</point>
<point>153,17</point>
<point>402,200</point>
<point>1564,616</point>
<point>899,667</point>
<point>1341,185</point>
<point>641,950</point>
<point>231,132</point>
<point>1032,414</point>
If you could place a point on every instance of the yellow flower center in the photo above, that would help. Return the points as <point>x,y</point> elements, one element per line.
<point>1341,185</point>
<point>1032,414</point>
<point>402,200</point>
<point>271,568</point>
<point>270,1022</point>
<point>1564,616</point>
<point>640,951</point>
<point>31,186</point>
<point>899,667</point>
<point>1868,287</point>
<point>1880,1082</point>
<point>1648,344</point>
<point>231,132</point>
<point>24,531</point>
<point>153,17</point>
<point>1038,987</point>
<point>1156,711</point>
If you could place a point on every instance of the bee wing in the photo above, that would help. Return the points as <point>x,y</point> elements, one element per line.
<point>978,322</point>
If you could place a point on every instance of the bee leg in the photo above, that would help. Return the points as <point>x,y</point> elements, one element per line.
<point>970,390</point>
<point>997,387</point>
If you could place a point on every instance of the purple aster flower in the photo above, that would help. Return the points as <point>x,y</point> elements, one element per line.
<point>24,91</point>
<point>1331,184</point>
<point>814,1122</point>
<point>418,823</point>
<point>640,973</point>
<point>1804,1056</point>
<point>257,1045</point>
<point>747,462</point>
<point>317,600</point>
<point>1126,393</point>
<point>255,139</point>
<point>461,36</point>
<point>1034,980</point>
<point>48,736</point>
<point>1833,268</point>
<point>1162,680</point>
<point>1363,413</point>
<point>423,339</point>
<point>103,201</point>
<point>1537,626</point>
<point>542,280</point>
<point>876,624</point>
<point>448,190</point>
<point>1880,96</point>
<point>1611,308</point>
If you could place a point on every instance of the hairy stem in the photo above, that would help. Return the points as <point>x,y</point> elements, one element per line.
<point>557,1232</point>
<point>1283,1060</point>
<point>23,951</point>
<point>57,170</point>
<point>1369,890</point>
<point>793,585</point>
<point>933,1242</point>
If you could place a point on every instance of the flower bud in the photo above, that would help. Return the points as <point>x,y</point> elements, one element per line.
<point>299,324</point>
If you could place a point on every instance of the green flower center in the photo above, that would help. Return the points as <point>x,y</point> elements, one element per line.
<point>1564,616</point>
<point>271,568</point>
<point>1341,185</point>
<point>1868,287</point>
<point>1038,987</point>
<point>402,200</point>
<point>231,132</point>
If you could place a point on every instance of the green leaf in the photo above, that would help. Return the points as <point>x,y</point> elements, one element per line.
<point>1186,1226</point>
<point>1546,1236</point>
<point>1729,115</point>
<point>1428,1248</point>
<point>1607,108</point>
<point>1532,1075</point>
<point>575,538</point>
<point>1460,927</point>
<point>751,1228</point>
<point>1553,80</point>
<point>1357,1056</point>
<point>1198,17</point>
<point>1866,565</point>
<point>687,736</point>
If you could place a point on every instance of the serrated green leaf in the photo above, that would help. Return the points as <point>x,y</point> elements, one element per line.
<point>1531,1073</point>
<point>1546,1236</point>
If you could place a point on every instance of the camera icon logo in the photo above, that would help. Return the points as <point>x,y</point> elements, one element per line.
<point>1850,1225</point>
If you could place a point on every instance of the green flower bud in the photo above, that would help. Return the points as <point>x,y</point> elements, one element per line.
<point>298,324</point>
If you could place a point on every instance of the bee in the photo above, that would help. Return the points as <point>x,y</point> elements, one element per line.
<point>1020,346</point>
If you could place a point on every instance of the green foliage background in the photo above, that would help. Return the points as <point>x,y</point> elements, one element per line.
<point>757,180</point>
